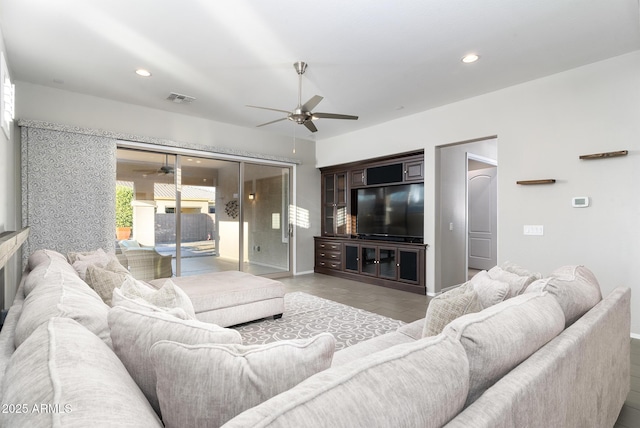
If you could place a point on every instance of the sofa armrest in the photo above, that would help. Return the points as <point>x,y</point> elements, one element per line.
<point>591,356</point>
<point>7,337</point>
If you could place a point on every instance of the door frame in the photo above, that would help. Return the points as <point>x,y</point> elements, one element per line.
<point>182,151</point>
<point>490,162</point>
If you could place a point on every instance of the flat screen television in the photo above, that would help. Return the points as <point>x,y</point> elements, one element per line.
<point>391,211</point>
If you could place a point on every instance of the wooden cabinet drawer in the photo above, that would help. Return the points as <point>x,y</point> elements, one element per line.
<point>328,246</point>
<point>329,264</point>
<point>329,255</point>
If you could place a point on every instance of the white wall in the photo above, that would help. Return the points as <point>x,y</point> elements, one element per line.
<point>9,199</point>
<point>543,126</point>
<point>68,108</point>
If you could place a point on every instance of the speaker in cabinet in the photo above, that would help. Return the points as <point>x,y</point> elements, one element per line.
<point>385,174</point>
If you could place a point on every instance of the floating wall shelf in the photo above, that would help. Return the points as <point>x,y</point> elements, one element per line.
<point>545,181</point>
<point>605,155</point>
<point>10,242</point>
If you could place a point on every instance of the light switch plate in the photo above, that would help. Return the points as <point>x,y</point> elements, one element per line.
<point>533,229</point>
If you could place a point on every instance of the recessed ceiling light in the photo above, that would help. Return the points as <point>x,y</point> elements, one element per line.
<point>467,59</point>
<point>142,72</point>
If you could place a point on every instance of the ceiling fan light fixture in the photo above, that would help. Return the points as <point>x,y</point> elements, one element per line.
<point>468,59</point>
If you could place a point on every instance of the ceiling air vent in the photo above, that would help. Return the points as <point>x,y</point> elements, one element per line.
<point>180,99</point>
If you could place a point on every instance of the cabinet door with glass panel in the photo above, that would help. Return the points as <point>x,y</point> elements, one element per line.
<point>334,204</point>
<point>379,261</point>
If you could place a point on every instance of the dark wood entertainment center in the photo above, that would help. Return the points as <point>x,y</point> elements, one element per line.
<point>389,261</point>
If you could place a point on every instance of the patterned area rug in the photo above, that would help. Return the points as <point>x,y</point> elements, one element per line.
<point>306,315</point>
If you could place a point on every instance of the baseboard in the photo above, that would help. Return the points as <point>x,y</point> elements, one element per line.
<point>307,272</point>
<point>635,336</point>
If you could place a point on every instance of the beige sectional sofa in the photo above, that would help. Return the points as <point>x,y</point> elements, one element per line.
<point>500,351</point>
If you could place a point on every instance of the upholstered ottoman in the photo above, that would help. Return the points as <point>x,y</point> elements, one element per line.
<point>230,298</point>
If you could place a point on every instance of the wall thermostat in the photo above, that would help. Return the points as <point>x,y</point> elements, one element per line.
<point>580,202</point>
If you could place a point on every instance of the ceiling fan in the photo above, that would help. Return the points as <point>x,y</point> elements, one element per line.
<point>302,114</point>
<point>163,170</point>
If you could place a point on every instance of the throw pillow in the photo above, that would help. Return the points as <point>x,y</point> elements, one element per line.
<point>519,270</point>
<point>502,336</point>
<point>517,283</point>
<point>490,291</point>
<point>138,304</point>
<point>104,280</point>
<point>207,385</point>
<point>81,261</point>
<point>73,256</point>
<point>63,364</point>
<point>448,306</point>
<point>167,296</point>
<point>134,331</point>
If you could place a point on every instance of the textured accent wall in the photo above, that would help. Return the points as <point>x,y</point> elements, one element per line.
<point>68,190</point>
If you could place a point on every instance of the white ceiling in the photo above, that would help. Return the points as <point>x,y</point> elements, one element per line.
<point>379,59</point>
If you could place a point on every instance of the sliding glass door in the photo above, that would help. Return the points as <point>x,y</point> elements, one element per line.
<point>266,217</point>
<point>193,212</point>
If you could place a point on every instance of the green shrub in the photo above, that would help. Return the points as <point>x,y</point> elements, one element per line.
<point>124,210</point>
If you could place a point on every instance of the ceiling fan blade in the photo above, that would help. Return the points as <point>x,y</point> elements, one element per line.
<point>273,121</point>
<point>310,126</point>
<point>312,103</point>
<point>269,108</point>
<point>333,116</point>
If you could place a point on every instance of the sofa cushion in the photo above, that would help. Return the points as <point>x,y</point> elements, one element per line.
<point>448,306</point>
<point>104,280</point>
<point>51,272</point>
<point>502,336</point>
<point>134,331</point>
<point>43,256</point>
<point>413,330</point>
<point>167,296</point>
<point>575,287</point>
<point>419,384</point>
<point>226,289</point>
<point>368,347</point>
<point>206,385</point>
<point>517,283</point>
<point>63,295</point>
<point>66,376</point>
<point>490,291</point>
